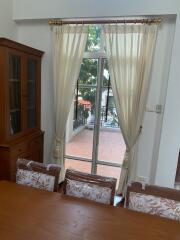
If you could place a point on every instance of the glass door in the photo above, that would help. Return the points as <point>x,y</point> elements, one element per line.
<point>111,146</point>
<point>15,93</point>
<point>81,122</point>
<point>94,142</point>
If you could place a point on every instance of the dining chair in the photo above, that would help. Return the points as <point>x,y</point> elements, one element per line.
<point>155,200</point>
<point>38,175</point>
<point>89,186</point>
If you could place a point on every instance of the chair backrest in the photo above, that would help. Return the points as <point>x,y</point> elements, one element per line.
<point>161,201</point>
<point>38,175</point>
<point>89,186</point>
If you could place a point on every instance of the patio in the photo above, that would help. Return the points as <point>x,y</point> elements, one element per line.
<point>111,149</point>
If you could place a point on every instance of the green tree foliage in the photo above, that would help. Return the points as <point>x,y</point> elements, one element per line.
<point>88,80</point>
<point>89,67</point>
<point>93,41</point>
<point>88,72</point>
<point>88,76</point>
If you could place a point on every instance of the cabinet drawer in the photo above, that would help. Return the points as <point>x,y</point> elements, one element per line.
<point>36,143</point>
<point>19,149</point>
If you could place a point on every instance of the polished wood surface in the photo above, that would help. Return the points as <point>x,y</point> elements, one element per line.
<point>27,141</point>
<point>27,213</point>
<point>21,47</point>
<point>23,147</point>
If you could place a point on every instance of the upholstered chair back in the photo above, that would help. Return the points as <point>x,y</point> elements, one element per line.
<point>161,201</point>
<point>38,175</point>
<point>89,186</point>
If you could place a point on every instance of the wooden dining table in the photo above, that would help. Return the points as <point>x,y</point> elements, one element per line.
<point>32,214</point>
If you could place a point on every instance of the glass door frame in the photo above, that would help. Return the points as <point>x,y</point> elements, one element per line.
<point>100,56</point>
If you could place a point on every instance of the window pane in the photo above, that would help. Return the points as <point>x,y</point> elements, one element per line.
<point>109,117</point>
<point>31,67</point>
<point>15,93</point>
<point>109,171</point>
<point>88,72</point>
<point>93,41</point>
<point>81,143</point>
<point>84,108</point>
<point>111,144</point>
<point>106,77</point>
<point>81,166</point>
<point>80,125</point>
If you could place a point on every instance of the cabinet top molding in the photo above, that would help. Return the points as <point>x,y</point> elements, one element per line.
<point>18,46</point>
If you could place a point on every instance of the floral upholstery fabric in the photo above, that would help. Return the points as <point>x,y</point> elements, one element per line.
<point>88,191</point>
<point>35,179</point>
<point>154,205</point>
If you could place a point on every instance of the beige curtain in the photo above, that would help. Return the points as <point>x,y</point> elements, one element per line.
<point>69,45</point>
<point>129,51</point>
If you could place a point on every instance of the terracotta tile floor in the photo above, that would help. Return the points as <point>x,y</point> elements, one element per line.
<point>111,149</point>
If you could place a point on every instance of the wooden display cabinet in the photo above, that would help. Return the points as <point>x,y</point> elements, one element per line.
<point>20,106</point>
<point>177,180</point>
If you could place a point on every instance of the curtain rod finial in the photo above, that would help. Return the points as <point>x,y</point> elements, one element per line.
<point>50,21</point>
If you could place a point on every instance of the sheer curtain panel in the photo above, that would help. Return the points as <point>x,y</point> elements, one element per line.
<point>129,51</point>
<point>69,43</point>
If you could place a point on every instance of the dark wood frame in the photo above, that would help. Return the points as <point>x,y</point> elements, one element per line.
<point>93,179</point>
<point>28,143</point>
<point>49,169</point>
<point>177,179</point>
<point>157,191</point>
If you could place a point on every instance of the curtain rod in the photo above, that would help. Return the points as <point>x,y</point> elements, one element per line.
<point>142,21</point>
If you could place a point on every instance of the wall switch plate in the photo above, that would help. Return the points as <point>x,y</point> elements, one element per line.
<point>159,108</point>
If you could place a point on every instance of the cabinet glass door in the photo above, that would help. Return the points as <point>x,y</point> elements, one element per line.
<point>31,103</point>
<point>15,93</point>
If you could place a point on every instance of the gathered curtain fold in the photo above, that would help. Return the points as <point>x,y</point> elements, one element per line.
<point>68,47</point>
<point>129,50</point>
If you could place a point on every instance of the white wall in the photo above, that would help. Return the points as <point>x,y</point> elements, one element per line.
<point>38,35</point>
<point>170,136</point>
<point>38,9</point>
<point>151,131</point>
<point>151,163</point>
<point>7,25</point>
